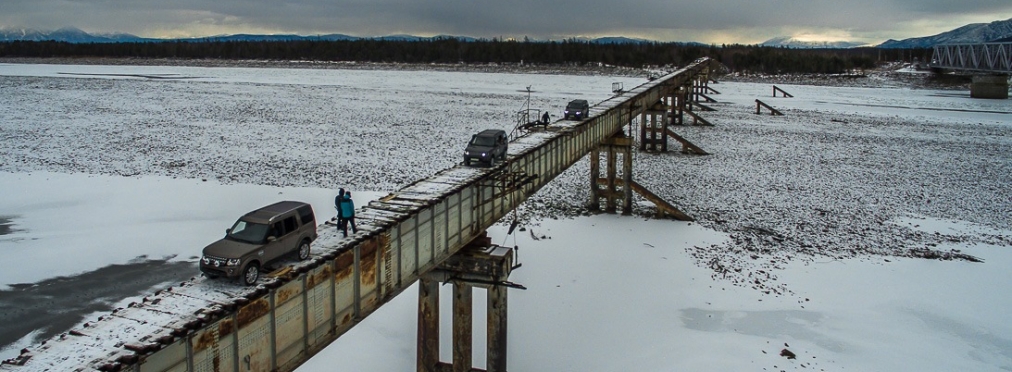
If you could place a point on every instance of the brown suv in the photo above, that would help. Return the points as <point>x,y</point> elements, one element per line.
<point>259,237</point>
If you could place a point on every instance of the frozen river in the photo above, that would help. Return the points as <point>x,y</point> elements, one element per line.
<point>828,201</point>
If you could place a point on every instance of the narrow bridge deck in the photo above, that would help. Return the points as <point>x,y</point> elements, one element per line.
<point>210,325</point>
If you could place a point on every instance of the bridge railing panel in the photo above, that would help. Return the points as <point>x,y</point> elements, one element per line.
<point>425,248</point>
<point>407,246</point>
<point>213,348</point>
<point>344,289</point>
<point>254,324</point>
<point>320,304</point>
<point>289,321</point>
<point>170,359</point>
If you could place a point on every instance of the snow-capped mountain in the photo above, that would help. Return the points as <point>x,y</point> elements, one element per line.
<point>67,34</point>
<point>74,35</point>
<point>788,41</point>
<point>971,33</point>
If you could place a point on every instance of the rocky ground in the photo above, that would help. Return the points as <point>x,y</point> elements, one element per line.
<point>810,185</point>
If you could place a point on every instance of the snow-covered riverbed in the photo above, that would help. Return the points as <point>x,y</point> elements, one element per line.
<point>829,201</point>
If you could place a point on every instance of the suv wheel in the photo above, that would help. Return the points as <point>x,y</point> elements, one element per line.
<point>251,273</point>
<point>304,250</point>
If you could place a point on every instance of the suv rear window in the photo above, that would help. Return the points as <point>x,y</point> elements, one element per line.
<point>291,224</point>
<point>306,215</point>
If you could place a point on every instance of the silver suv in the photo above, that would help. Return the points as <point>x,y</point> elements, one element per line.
<point>259,237</point>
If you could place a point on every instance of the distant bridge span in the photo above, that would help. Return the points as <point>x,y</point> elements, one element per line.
<point>213,325</point>
<point>990,64</point>
<point>985,57</point>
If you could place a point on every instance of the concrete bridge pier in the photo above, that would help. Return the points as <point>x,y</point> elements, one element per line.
<point>479,264</point>
<point>989,86</point>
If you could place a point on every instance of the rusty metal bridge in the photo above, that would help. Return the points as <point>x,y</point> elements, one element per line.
<point>430,231</point>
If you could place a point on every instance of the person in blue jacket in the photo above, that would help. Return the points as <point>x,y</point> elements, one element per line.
<point>347,207</point>
<point>337,204</point>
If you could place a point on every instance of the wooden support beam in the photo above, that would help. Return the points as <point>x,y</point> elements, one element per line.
<point>696,119</point>
<point>707,89</point>
<point>777,89</point>
<point>687,146</point>
<point>663,207</point>
<point>704,107</point>
<point>759,104</point>
<point>706,98</point>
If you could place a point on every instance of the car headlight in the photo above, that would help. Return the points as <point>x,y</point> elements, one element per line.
<point>483,154</point>
<point>467,152</point>
<point>232,262</point>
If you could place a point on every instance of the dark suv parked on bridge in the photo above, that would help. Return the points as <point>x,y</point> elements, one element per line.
<point>577,109</point>
<point>486,146</point>
<point>259,237</point>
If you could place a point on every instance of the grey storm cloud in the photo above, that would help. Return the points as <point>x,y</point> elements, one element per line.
<point>663,19</point>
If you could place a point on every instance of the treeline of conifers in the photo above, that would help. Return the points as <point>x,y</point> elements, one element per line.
<point>741,58</point>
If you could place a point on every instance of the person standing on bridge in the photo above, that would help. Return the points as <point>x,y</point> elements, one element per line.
<point>337,204</point>
<point>545,118</point>
<point>347,209</point>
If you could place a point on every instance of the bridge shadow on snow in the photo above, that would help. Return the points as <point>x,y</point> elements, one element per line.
<point>55,305</point>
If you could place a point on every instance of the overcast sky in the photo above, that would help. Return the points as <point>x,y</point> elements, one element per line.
<point>715,21</point>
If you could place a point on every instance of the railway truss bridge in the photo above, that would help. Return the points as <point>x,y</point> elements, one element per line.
<point>431,231</point>
<point>990,64</point>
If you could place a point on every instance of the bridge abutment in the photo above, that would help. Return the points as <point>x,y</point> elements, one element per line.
<point>989,86</point>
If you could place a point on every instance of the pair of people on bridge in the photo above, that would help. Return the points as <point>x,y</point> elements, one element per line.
<point>345,212</point>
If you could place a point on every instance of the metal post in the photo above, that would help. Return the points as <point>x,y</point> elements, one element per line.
<point>189,352</point>
<point>235,340</point>
<point>305,316</point>
<point>610,204</point>
<point>462,323</point>
<point>627,177</point>
<point>356,275</point>
<point>496,356</point>
<point>595,173</point>
<point>643,131</point>
<point>400,257</point>
<point>417,247</point>
<point>274,327</point>
<point>333,302</point>
<point>428,325</point>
